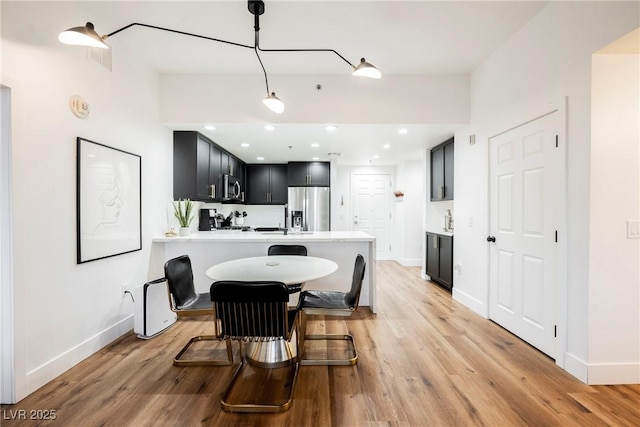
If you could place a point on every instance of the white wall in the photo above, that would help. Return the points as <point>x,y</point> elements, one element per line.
<point>408,238</point>
<point>63,311</point>
<point>393,99</point>
<point>549,58</point>
<point>614,260</point>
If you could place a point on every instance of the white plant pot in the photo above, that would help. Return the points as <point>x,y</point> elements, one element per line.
<point>239,220</point>
<point>184,231</point>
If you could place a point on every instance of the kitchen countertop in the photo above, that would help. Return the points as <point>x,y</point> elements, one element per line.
<point>254,236</point>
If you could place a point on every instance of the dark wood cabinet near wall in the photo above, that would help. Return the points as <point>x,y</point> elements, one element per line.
<point>439,259</point>
<point>196,167</point>
<point>266,184</point>
<point>308,174</point>
<point>199,165</point>
<point>442,171</point>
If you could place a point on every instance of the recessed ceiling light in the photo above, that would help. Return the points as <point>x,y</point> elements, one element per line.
<point>244,144</point>
<point>403,131</point>
<point>210,127</point>
<point>386,146</point>
<point>376,156</point>
<point>260,158</point>
<point>269,127</point>
<point>315,158</point>
<point>331,128</point>
<point>315,145</point>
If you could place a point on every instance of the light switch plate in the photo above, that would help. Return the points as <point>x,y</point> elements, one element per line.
<point>633,229</point>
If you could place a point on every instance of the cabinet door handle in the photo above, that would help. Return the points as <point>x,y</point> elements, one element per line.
<point>213,191</point>
<point>440,192</point>
<point>435,242</point>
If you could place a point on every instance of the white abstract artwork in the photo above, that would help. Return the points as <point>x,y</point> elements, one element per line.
<point>109,219</point>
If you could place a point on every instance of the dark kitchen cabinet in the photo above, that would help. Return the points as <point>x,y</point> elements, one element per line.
<point>439,259</point>
<point>266,184</point>
<point>199,166</point>
<point>442,171</point>
<point>196,167</point>
<point>308,174</point>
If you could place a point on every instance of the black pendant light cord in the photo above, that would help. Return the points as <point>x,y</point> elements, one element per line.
<point>178,32</point>
<point>266,80</point>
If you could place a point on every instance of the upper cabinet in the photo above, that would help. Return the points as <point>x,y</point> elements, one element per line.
<point>308,174</point>
<point>442,171</point>
<point>199,165</point>
<point>266,184</point>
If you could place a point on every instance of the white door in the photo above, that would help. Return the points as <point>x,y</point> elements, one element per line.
<point>371,211</point>
<point>524,178</point>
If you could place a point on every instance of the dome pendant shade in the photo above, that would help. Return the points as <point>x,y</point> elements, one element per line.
<point>82,36</point>
<point>274,103</point>
<point>364,69</point>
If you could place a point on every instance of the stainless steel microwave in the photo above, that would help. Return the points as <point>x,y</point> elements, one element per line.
<point>232,189</point>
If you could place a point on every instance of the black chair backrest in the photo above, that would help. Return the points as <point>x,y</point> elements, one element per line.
<point>251,311</point>
<point>353,296</point>
<point>179,277</point>
<point>287,250</point>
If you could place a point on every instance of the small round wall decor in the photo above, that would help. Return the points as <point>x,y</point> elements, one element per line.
<point>79,107</point>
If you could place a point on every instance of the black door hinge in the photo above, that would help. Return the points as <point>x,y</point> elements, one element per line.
<point>555,331</point>
<point>556,236</point>
<point>556,141</point>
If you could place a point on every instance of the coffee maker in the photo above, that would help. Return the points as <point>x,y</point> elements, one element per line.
<point>207,220</point>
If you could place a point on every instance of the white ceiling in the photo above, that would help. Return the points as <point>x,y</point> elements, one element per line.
<point>399,37</point>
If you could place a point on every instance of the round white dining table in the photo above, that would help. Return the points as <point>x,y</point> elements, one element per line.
<point>288,269</point>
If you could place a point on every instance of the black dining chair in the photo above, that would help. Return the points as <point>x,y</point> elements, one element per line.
<point>289,250</point>
<point>256,313</point>
<point>332,303</point>
<point>185,301</point>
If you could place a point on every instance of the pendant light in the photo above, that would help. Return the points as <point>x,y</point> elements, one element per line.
<point>364,69</point>
<point>82,36</point>
<point>87,36</point>
<point>274,103</point>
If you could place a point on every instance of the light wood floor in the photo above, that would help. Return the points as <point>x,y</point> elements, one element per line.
<point>425,360</point>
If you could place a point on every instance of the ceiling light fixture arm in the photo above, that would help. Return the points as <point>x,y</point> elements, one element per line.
<point>257,8</point>
<point>176,32</point>
<point>308,50</point>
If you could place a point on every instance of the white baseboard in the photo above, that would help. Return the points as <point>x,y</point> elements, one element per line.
<point>470,302</point>
<point>409,262</point>
<point>613,373</point>
<point>576,367</point>
<point>46,372</point>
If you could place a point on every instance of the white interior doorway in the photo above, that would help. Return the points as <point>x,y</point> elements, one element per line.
<point>527,217</point>
<point>371,209</point>
<point>7,380</point>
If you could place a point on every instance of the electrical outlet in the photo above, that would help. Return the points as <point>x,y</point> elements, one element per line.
<point>633,229</point>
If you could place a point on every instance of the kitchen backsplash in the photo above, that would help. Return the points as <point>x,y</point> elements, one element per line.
<point>257,215</point>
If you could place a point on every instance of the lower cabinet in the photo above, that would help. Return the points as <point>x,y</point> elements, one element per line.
<point>439,259</point>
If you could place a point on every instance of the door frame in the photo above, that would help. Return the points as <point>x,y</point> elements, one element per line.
<point>389,204</point>
<point>7,323</point>
<point>561,198</point>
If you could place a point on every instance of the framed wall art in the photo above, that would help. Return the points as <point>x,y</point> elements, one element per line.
<point>108,201</point>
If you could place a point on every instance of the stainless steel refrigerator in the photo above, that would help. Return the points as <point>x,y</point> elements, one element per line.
<point>309,207</point>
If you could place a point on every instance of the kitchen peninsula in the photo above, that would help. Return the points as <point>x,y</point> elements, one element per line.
<point>208,248</point>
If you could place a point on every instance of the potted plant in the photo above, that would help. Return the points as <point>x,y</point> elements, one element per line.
<point>183,211</point>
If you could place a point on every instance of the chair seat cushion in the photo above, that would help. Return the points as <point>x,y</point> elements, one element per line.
<point>323,299</point>
<point>203,301</point>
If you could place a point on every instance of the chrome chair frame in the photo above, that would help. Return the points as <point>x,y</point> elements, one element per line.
<point>193,308</point>
<point>345,308</point>
<point>247,316</point>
